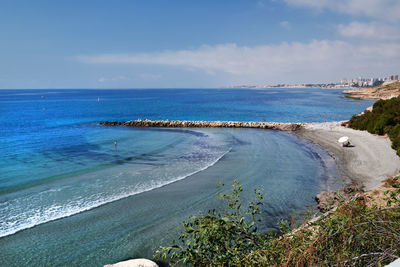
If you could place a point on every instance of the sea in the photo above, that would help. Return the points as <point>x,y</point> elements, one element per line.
<point>70,197</point>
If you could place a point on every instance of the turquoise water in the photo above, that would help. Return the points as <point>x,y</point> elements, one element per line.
<point>68,197</point>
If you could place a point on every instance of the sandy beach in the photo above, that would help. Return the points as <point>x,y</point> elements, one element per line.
<point>367,163</point>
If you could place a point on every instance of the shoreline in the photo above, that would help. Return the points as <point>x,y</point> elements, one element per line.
<point>367,163</point>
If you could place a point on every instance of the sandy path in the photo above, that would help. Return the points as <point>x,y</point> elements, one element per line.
<point>370,161</point>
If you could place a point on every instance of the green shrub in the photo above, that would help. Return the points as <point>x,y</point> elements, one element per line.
<point>354,234</point>
<point>218,238</point>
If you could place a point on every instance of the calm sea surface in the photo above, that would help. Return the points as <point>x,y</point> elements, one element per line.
<point>69,198</point>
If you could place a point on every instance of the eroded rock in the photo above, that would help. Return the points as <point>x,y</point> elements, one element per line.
<point>329,200</point>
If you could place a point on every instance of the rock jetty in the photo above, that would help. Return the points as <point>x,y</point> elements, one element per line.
<point>206,124</point>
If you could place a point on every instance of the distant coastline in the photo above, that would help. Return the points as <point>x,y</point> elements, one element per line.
<point>300,86</point>
<point>385,91</point>
<point>350,84</point>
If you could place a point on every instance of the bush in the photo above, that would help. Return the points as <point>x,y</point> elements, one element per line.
<point>355,234</point>
<point>218,238</point>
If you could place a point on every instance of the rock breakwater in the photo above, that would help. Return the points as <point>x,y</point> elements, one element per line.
<point>206,124</point>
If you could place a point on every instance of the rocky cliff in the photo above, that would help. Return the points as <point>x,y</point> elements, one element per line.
<point>380,92</point>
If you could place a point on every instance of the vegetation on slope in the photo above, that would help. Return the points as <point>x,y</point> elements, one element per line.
<point>383,119</point>
<point>355,232</point>
<point>379,92</point>
<point>387,90</point>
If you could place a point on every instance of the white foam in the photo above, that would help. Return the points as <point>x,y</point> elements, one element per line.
<point>38,216</point>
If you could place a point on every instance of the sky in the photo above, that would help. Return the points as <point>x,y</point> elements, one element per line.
<point>195,44</point>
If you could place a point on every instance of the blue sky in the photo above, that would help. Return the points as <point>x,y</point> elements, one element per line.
<point>192,44</point>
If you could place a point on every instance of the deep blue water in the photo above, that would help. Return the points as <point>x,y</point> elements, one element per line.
<point>63,184</point>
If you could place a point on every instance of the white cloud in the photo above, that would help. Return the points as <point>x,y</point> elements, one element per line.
<point>371,30</point>
<point>287,62</point>
<point>382,9</point>
<point>149,76</point>
<point>285,24</point>
<point>117,78</point>
<point>318,4</point>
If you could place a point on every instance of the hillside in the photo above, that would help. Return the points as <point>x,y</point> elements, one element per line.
<point>379,92</point>
<point>359,229</point>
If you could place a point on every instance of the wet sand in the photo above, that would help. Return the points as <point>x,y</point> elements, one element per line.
<point>367,163</point>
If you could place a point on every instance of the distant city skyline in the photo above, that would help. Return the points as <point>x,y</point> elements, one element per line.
<point>370,81</point>
<point>186,44</point>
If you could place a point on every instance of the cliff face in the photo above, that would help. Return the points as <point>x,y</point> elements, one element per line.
<point>380,92</point>
<point>203,124</point>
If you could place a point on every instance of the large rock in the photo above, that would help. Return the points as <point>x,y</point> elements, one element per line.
<point>134,263</point>
<point>329,200</point>
<point>325,200</point>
